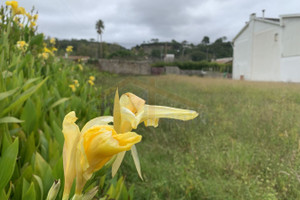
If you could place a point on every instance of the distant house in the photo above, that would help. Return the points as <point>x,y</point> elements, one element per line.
<point>268,49</point>
<point>169,57</point>
<point>223,60</point>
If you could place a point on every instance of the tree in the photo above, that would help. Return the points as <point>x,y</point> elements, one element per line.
<point>99,29</point>
<point>205,40</point>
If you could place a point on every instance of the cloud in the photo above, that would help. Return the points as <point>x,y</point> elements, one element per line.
<point>130,22</point>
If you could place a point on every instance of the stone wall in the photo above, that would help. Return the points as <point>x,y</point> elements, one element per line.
<point>125,66</point>
<point>144,68</point>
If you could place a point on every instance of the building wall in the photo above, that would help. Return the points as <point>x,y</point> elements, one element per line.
<point>266,52</point>
<point>290,37</point>
<point>242,55</point>
<point>290,69</point>
<point>290,55</point>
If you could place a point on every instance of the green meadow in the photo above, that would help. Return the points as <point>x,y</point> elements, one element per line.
<point>243,145</point>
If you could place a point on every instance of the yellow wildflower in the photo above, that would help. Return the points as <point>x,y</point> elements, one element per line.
<point>32,24</point>
<point>14,5</point>
<point>91,82</point>
<point>21,25</point>
<point>35,17</point>
<point>46,50</point>
<point>52,41</point>
<point>88,150</point>
<point>92,78</point>
<point>76,83</point>
<point>69,48</point>
<point>73,87</point>
<point>22,45</point>
<point>80,67</point>
<point>130,110</point>
<point>54,49</point>
<point>20,11</point>
<point>45,55</point>
<point>29,16</point>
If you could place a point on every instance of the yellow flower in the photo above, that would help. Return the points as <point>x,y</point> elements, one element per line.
<point>22,45</point>
<point>88,150</point>
<point>35,17</point>
<point>20,11</point>
<point>134,111</point>
<point>54,49</point>
<point>46,50</point>
<point>32,24</point>
<point>73,87</point>
<point>76,83</point>
<point>80,67</point>
<point>130,110</point>
<point>69,48</point>
<point>45,55</point>
<point>21,25</point>
<point>91,82</point>
<point>28,15</point>
<point>92,78</point>
<point>52,41</point>
<point>14,6</point>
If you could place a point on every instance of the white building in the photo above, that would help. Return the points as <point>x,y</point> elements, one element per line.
<point>268,49</point>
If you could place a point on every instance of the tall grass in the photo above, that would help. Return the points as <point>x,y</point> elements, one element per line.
<point>244,144</point>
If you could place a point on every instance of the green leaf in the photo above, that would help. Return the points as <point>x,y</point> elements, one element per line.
<point>40,184</point>
<point>29,116</point>
<point>60,101</point>
<point>8,162</point>
<point>10,120</point>
<point>6,74</point>
<point>6,94</point>
<point>29,81</point>
<point>43,170</point>
<point>30,193</point>
<point>37,40</point>
<point>23,97</point>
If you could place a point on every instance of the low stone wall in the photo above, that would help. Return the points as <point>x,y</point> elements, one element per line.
<point>172,70</point>
<point>125,66</point>
<point>144,68</point>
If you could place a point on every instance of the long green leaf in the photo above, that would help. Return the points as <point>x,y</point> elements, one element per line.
<point>10,120</point>
<point>30,193</point>
<point>7,163</point>
<point>23,97</point>
<point>60,101</point>
<point>6,94</point>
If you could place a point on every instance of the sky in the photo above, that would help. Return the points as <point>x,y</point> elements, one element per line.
<point>132,22</point>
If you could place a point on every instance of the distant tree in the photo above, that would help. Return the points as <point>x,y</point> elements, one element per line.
<point>99,28</point>
<point>154,40</point>
<point>205,40</point>
<point>198,56</point>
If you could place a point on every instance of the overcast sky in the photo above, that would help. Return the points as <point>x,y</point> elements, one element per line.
<point>130,22</point>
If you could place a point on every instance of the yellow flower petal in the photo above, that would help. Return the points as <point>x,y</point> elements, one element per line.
<point>97,146</point>
<point>104,120</point>
<point>71,134</point>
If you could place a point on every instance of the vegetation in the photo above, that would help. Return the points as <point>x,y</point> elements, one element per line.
<point>99,28</point>
<point>37,89</point>
<point>202,65</point>
<point>244,144</point>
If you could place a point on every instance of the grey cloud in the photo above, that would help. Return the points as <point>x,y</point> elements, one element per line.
<point>130,22</point>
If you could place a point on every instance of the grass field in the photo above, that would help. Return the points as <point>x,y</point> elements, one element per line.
<point>243,145</point>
